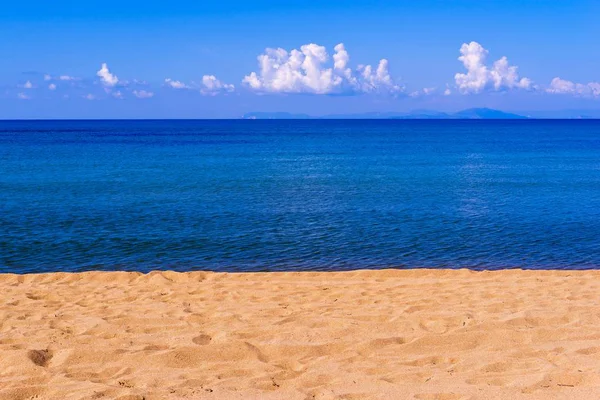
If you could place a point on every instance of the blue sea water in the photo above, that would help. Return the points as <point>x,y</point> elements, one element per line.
<point>298,195</point>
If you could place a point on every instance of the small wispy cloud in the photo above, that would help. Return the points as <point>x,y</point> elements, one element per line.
<point>143,94</point>
<point>210,85</point>
<point>176,84</point>
<point>52,86</point>
<point>48,77</point>
<point>428,91</point>
<point>23,96</point>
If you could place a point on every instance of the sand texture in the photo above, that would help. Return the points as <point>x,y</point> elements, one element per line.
<point>419,334</point>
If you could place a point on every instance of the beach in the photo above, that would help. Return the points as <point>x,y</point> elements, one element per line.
<point>388,334</point>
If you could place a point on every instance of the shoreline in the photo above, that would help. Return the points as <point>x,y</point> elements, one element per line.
<point>365,334</point>
<point>387,270</point>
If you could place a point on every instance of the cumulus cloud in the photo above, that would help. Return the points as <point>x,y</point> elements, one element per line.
<point>28,85</point>
<point>479,77</point>
<point>106,77</point>
<point>117,94</point>
<point>89,96</point>
<point>561,86</point>
<point>47,77</point>
<point>52,86</point>
<point>212,86</point>
<point>143,94</point>
<point>176,84</point>
<point>23,96</point>
<point>307,71</point>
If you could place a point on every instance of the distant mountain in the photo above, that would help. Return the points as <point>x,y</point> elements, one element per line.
<point>485,113</point>
<point>275,115</point>
<point>472,113</point>
<point>369,115</point>
<point>427,114</point>
<point>417,114</point>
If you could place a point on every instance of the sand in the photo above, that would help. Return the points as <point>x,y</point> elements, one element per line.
<point>419,334</point>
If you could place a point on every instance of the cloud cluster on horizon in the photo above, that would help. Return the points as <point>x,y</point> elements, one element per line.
<point>312,70</point>
<point>479,77</point>
<point>561,86</point>
<point>306,71</point>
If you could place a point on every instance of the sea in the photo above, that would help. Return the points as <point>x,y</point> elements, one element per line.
<point>299,195</point>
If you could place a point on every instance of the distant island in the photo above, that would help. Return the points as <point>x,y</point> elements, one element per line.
<point>471,113</point>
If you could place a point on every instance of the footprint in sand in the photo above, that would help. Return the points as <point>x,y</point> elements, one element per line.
<point>202,339</point>
<point>40,357</point>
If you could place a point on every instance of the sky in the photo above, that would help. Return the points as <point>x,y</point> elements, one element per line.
<point>222,59</point>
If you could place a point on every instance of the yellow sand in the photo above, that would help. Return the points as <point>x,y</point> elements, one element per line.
<point>418,334</point>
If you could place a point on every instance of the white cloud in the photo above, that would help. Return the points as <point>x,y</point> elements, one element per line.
<point>480,78</point>
<point>107,78</point>
<point>28,85</point>
<point>561,86</point>
<point>143,94</point>
<point>117,94</point>
<point>176,84</point>
<point>48,77</point>
<point>89,97</point>
<point>52,86</point>
<point>447,92</point>
<point>423,92</point>
<point>306,71</point>
<point>212,86</point>
<point>23,96</point>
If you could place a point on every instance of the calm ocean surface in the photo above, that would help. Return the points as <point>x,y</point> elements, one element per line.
<point>298,195</point>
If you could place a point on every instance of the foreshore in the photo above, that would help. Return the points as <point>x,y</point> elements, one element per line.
<point>390,334</point>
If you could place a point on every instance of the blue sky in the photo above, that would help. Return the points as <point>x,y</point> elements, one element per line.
<point>53,52</point>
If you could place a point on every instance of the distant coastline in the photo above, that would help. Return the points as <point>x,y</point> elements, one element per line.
<point>471,113</point>
<point>422,114</point>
